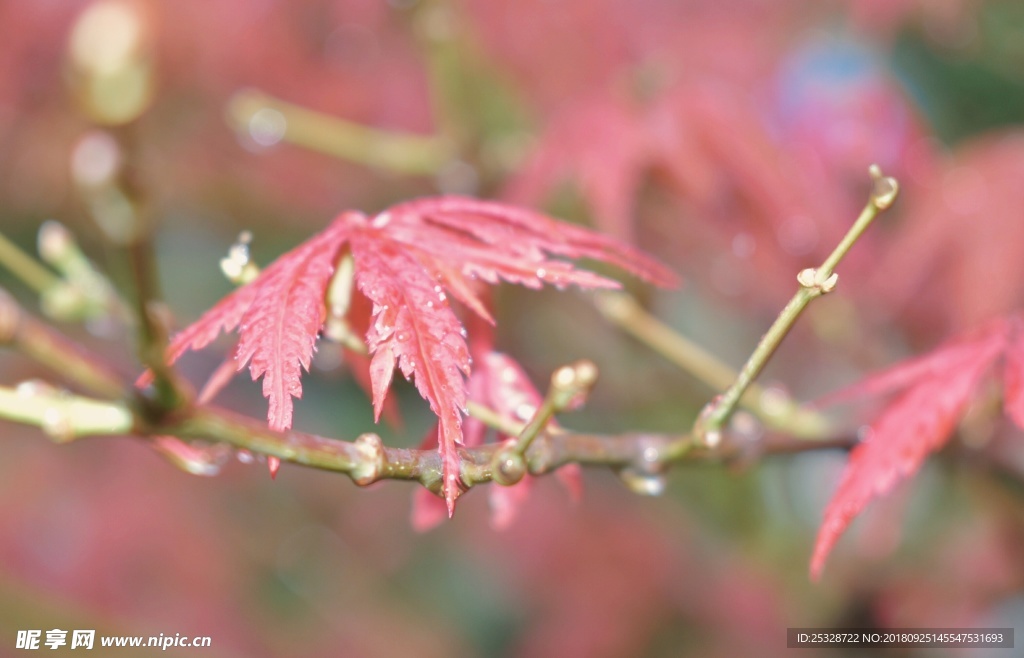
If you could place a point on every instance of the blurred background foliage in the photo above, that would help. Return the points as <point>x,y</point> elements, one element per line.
<point>731,139</point>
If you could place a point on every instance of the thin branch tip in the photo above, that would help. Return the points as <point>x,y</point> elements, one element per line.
<point>884,190</point>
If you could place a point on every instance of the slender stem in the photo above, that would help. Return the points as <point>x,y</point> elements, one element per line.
<point>65,417</point>
<point>256,113</point>
<point>92,293</point>
<point>783,415</point>
<point>49,347</point>
<point>813,284</point>
<point>26,268</point>
<point>62,416</point>
<point>366,459</point>
<point>494,420</point>
<point>569,386</point>
<point>118,204</point>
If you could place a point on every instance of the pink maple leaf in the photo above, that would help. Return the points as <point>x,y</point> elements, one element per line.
<point>936,388</point>
<point>407,259</point>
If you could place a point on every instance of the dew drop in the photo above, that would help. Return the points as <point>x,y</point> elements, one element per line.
<point>267,127</point>
<point>541,273</point>
<point>383,328</point>
<point>381,220</point>
<point>525,411</point>
<point>645,484</point>
<point>194,459</point>
<point>430,304</point>
<point>29,388</point>
<point>402,336</point>
<point>244,456</point>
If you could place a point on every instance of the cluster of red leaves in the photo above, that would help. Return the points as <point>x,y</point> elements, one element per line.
<point>935,390</point>
<point>728,165</point>
<point>951,263</point>
<point>407,260</point>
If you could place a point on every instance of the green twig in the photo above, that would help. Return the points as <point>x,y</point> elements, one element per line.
<point>61,415</point>
<point>49,347</point>
<point>116,199</point>
<point>494,420</point>
<point>569,385</point>
<point>84,292</point>
<point>26,268</point>
<point>813,284</point>
<point>268,120</point>
<point>782,415</point>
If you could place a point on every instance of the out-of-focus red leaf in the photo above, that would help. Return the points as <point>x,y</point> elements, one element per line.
<point>717,154</point>
<point>508,390</point>
<point>919,422</point>
<point>500,383</point>
<point>428,510</point>
<point>1013,373</point>
<point>945,361</point>
<point>576,47</point>
<point>220,378</point>
<point>956,258</point>
<point>608,170</point>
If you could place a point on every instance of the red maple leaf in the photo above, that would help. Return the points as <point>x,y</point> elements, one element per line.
<point>407,259</point>
<point>935,390</point>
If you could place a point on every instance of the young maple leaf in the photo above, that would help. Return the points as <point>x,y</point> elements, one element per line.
<point>407,259</point>
<point>936,388</point>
